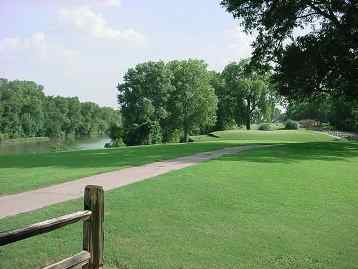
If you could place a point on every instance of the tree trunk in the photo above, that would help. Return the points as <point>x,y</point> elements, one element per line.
<point>186,134</point>
<point>248,115</point>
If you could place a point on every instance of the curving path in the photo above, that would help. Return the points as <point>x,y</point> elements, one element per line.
<point>14,204</point>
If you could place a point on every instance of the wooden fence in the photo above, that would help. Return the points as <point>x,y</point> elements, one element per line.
<point>91,257</point>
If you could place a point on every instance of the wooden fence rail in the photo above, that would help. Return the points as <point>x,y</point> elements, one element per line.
<point>93,236</point>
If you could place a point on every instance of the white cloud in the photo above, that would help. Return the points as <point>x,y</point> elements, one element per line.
<point>238,41</point>
<point>97,3</point>
<point>110,3</point>
<point>36,46</point>
<point>85,20</point>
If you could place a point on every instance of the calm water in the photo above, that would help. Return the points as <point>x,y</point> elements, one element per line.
<point>37,147</point>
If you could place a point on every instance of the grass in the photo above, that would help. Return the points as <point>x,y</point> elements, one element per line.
<point>25,172</point>
<point>277,136</point>
<point>289,206</point>
<point>25,140</point>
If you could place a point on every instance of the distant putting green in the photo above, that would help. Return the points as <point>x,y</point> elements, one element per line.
<point>277,136</point>
<point>288,206</point>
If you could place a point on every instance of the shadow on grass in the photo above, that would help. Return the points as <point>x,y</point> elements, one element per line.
<point>288,153</point>
<point>122,157</point>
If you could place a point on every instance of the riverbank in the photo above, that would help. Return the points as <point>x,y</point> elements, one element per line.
<point>25,140</point>
<point>46,145</point>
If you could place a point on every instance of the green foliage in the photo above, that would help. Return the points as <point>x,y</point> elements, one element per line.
<point>115,133</point>
<point>161,101</point>
<point>340,112</point>
<point>193,104</point>
<point>321,59</point>
<point>26,112</point>
<point>265,127</point>
<point>146,133</point>
<point>143,97</point>
<point>291,125</point>
<point>248,94</point>
<point>225,118</point>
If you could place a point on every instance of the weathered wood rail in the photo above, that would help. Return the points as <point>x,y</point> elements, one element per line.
<point>91,257</point>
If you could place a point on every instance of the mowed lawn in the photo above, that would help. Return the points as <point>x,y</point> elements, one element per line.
<point>289,206</point>
<point>286,136</point>
<point>30,171</point>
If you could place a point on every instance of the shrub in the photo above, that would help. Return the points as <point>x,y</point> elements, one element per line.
<point>173,136</point>
<point>146,133</point>
<point>291,125</point>
<point>310,124</point>
<point>265,127</point>
<point>3,137</point>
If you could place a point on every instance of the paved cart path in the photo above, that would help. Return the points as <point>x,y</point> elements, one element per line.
<point>11,205</point>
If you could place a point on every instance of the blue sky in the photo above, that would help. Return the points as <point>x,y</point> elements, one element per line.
<point>83,47</point>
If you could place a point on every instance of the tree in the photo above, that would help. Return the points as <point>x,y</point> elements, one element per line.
<point>193,104</point>
<point>25,111</point>
<point>225,114</point>
<point>321,59</point>
<point>143,98</point>
<point>161,102</point>
<point>248,92</point>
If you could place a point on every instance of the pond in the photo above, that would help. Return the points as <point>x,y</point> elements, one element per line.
<point>54,145</point>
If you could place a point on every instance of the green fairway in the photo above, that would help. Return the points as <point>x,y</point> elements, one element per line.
<point>265,136</point>
<point>30,171</point>
<point>289,206</point>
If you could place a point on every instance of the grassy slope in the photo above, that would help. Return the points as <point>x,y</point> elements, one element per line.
<point>265,136</point>
<point>30,171</point>
<point>291,206</point>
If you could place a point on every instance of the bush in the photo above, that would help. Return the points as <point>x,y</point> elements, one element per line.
<point>3,137</point>
<point>265,127</point>
<point>173,136</point>
<point>146,133</point>
<point>310,124</point>
<point>291,125</point>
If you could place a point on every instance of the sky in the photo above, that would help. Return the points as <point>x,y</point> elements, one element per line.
<point>84,47</point>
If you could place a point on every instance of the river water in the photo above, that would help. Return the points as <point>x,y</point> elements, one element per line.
<point>54,145</point>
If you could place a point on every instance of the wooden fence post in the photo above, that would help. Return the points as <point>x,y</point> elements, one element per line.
<point>93,235</point>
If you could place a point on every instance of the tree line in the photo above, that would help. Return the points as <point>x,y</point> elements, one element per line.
<point>166,102</point>
<point>25,111</point>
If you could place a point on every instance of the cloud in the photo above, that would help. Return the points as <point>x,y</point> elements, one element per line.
<point>110,3</point>
<point>237,45</point>
<point>38,47</point>
<point>85,20</point>
<point>35,41</point>
<point>97,3</point>
<point>238,41</point>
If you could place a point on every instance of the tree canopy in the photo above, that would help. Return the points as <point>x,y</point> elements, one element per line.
<point>164,102</point>
<point>25,111</point>
<point>313,45</point>
<point>247,92</point>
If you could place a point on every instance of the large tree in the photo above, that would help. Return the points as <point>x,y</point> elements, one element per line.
<point>312,43</point>
<point>193,104</point>
<point>143,98</point>
<point>247,92</point>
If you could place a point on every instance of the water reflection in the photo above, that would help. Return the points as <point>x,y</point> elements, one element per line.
<point>54,145</point>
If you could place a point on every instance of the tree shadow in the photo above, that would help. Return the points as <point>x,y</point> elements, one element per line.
<point>133,156</point>
<point>294,152</point>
